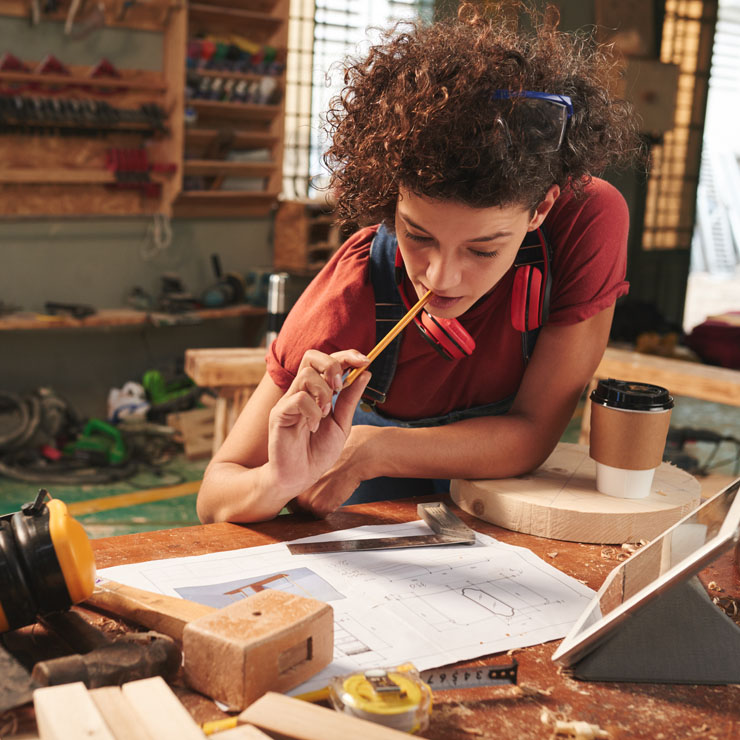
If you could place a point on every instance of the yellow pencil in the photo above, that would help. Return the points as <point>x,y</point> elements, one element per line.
<point>389,337</point>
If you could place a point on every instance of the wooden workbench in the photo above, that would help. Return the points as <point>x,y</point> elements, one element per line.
<point>624,710</point>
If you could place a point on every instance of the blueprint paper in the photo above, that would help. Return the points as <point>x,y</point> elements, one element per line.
<point>429,605</point>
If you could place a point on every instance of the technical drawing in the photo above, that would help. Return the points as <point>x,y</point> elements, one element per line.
<point>301,581</point>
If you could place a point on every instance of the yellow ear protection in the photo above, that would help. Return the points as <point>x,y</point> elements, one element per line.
<point>530,299</point>
<point>46,562</point>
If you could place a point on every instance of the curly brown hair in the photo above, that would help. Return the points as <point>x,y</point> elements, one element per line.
<point>418,112</point>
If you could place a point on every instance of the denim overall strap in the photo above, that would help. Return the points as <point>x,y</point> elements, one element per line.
<point>389,309</point>
<point>388,489</point>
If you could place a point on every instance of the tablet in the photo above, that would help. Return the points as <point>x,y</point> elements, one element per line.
<point>679,553</point>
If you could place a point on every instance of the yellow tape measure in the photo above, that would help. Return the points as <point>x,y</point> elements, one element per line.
<point>394,697</point>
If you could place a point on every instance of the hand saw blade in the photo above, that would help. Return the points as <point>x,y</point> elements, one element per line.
<point>448,530</point>
<point>16,684</point>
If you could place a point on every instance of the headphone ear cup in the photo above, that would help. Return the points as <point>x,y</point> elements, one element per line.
<point>17,605</point>
<point>449,334</point>
<point>39,561</point>
<point>526,298</point>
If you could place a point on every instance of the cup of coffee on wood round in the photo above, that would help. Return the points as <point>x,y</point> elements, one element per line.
<point>629,425</point>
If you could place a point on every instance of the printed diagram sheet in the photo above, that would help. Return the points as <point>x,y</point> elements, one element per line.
<point>428,605</point>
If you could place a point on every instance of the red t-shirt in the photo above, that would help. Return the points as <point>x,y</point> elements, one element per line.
<point>588,238</point>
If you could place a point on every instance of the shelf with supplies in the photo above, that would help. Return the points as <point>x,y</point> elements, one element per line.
<point>305,236</point>
<point>153,15</point>
<point>100,141</point>
<point>91,140</point>
<point>235,88</point>
<point>122,317</point>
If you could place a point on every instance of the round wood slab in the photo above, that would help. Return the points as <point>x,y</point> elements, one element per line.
<point>559,500</point>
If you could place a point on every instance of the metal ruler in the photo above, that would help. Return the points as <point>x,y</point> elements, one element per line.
<point>448,530</point>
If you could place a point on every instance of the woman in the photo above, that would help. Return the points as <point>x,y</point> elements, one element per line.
<point>472,148</point>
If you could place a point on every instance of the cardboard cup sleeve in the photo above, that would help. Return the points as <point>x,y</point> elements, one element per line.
<point>631,440</point>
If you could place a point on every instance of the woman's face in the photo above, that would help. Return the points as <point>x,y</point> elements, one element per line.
<point>459,252</point>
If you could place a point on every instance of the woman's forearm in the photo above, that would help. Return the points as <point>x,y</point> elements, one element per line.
<point>233,493</point>
<point>485,447</point>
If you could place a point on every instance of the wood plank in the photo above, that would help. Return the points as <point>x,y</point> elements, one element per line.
<point>79,78</point>
<point>248,111</point>
<point>680,377</point>
<point>118,714</point>
<point>559,500</point>
<point>68,712</point>
<point>224,203</point>
<point>67,177</point>
<point>160,711</point>
<point>229,168</point>
<point>233,17</point>
<point>232,366</point>
<point>300,720</point>
<point>241,140</point>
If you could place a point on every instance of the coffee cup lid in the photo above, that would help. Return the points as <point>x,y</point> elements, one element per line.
<point>631,396</point>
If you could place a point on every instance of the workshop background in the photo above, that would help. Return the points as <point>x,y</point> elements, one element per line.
<point>160,160</point>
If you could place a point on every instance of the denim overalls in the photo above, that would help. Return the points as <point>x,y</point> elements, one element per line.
<point>389,308</point>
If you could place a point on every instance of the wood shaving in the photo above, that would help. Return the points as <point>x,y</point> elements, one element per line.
<point>631,547</point>
<point>730,606</point>
<point>611,553</point>
<point>552,554</point>
<point>8,723</point>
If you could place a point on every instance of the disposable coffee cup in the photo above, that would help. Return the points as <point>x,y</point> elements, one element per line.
<point>629,425</point>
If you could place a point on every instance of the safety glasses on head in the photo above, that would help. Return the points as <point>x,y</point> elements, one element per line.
<point>537,120</point>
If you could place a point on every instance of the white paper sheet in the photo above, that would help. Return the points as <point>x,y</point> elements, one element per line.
<point>428,605</point>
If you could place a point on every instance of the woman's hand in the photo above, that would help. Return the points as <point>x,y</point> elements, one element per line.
<point>333,488</point>
<point>306,436</point>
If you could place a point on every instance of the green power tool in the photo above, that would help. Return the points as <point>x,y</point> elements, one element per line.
<point>99,443</point>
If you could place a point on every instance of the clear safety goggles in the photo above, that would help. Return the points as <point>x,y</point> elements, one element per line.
<point>537,119</point>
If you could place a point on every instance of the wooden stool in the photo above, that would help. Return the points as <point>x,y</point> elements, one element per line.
<point>233,373</point>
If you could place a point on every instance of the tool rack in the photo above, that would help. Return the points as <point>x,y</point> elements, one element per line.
<point>92,140</point>
<point>229,154</point>
<point>234,142</point>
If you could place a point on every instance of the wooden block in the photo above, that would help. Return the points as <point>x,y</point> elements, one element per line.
<point>160,711</point>
<point>122,721</point>
<point>212,368</point>
<point>559,500</point>
<point>285,717</point>
<point>196,428</point>
<point>271,641</point>
<point>67,712</point>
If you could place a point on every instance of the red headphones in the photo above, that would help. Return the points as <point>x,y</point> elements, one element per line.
<point>530,299</point>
